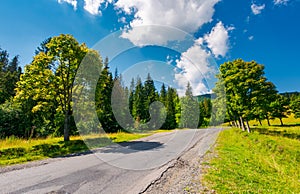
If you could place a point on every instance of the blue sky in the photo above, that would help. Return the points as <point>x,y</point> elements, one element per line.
<point>264,31</point>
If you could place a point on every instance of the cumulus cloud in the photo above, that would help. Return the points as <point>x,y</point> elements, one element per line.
<point>195,64</point>
<point>187,15</point>
<point>280,2</point>
<point>153,35</point>
<point>217,39</point>
<point>251,37</point>
<point>148,27</point>
<point>71,2</point>
<point>93,6</point>
<point>257,9</point>
<point>194,67</point>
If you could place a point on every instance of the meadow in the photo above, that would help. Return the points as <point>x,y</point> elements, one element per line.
<point>264,161</point>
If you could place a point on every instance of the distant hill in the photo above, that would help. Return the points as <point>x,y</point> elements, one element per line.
<point>290,94</point>
<point>205,96</point>
<point>213,96</point>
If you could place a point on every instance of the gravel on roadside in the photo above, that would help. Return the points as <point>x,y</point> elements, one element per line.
<point>185,175</point>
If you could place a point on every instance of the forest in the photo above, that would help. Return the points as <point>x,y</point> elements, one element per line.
<point>37,102</point>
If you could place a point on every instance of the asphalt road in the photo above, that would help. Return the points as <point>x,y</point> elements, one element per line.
<point>126,168</point>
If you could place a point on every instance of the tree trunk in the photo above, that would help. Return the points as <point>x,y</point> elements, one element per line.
<point>239,123</point>
<point>260,122</point>
<point>234,124</point>
<point>32,132</point>
<point>281,121</point>
<point>248,126</point>
<point>268,120</point>
<point>242,124</point>
<point>67,127</point>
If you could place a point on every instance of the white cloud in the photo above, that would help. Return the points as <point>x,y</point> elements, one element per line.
<point>217,39</point>
<point>193,66</point>
<point>187,15</point>
<point>152,35</point>
<point>148,26</point>
<point>257,9</point>
<point>251,37</point>
<point>122,20</point>
<point>92,6</point>
<point>71,2</point>
<point>280,2</point>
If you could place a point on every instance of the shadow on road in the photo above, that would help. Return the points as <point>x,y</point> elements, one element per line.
<point>131,147</point>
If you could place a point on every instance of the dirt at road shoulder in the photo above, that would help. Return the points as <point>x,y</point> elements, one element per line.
<point>186,174</point>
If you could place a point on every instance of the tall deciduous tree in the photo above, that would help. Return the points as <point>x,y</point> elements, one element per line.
<point>262,101</point>
<point>36,95</point>
<point>245,88</point>
<point>66,54</point>
<point>60,56</point>
<point>279,108</point>
<point>295,106</point>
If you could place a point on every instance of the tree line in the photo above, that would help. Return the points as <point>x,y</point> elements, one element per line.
<point>38,102</point>
<point>250,96</point>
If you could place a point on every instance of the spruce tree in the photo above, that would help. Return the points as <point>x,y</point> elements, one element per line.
<point>139,100</point>
<point>170,122</point>
<point>150,96</point>
<point>189,110</point>
<point>103,99</point>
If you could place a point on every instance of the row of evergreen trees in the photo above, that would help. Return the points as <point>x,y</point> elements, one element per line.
<point>9,75</point>
<point>142,107</point>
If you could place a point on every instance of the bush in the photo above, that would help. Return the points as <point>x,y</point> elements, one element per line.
<point>11,121</point>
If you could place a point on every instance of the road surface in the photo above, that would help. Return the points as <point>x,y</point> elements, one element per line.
<point>127,168</point>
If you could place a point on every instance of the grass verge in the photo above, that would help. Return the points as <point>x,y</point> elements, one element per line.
<point>290,120</point>
<point>15,150</point>
<point>254,163</point>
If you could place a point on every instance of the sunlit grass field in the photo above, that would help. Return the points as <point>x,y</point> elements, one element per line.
<point>264,161</point>
<point>291,120</point>
<point>14,150</point>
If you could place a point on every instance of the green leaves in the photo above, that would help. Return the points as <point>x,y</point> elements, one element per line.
<point>295,106</point>
<point>279,108</point>
<point>9,74</point>
<point>248,93</point>
<point>45,89</point>
<point>189,110</point>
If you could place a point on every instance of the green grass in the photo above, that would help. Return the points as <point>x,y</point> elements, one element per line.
<point>291,120</point>
<point>255,163</point>
<point>15,150</point>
